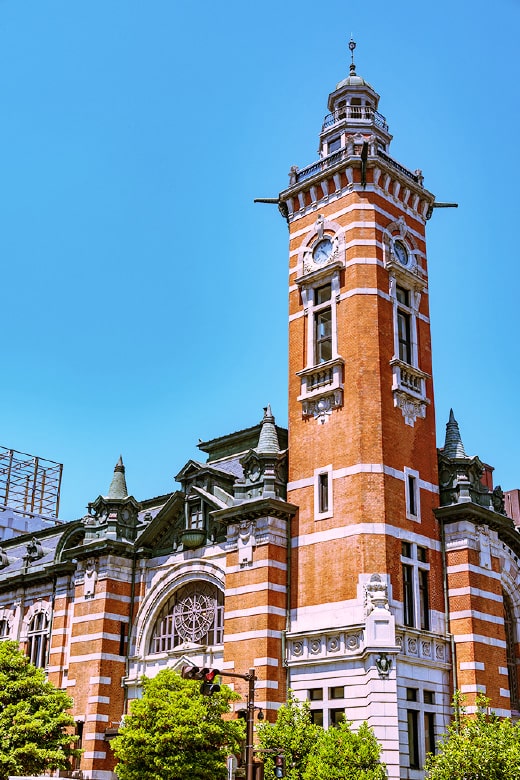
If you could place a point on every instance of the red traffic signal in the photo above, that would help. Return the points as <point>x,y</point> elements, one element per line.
<point>208,686</point>
<point>279,765</point>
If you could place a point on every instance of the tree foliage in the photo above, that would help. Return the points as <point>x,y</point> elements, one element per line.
<point>477,747</point>
<point>343,754</point>
<point>174,733</point>
<point>33,718</point>
<point>294,734</point>
<point>311,753</point>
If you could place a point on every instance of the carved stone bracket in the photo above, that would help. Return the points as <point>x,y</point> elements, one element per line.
<point>412,408</point>
<point>384,665</point>
<point>321,408</point>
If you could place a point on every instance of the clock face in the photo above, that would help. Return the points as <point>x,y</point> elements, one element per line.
<point>322,251</point>
<point>401,253</point>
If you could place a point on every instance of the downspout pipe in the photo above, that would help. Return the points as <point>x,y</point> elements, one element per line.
<point>449,635</point>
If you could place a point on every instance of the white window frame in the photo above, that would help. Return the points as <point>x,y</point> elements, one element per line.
<point>411,312</point>
<point>422,709</point>
<point>314,310</point>
<point>416,565</point>
<point>412,473</point>
<point>330,508</point>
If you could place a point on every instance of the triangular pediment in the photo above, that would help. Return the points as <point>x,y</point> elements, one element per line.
<point>160,532</point>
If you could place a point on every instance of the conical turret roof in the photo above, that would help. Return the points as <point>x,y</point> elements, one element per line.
<point>118,487</point>
<point>453,446</point>
<point>268,440</point>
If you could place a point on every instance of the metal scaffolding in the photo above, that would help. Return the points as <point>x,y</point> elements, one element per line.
<point>28,484</point>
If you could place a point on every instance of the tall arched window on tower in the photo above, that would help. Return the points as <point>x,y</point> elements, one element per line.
<point>37,639</point>
<point>194,613</point>
<point>511,643</point>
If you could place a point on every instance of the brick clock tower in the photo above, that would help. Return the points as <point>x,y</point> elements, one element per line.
<point>367,634</point>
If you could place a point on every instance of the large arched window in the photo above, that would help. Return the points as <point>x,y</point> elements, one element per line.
<point>511,640</point>
<point>37,637</point>
<point>195,613</point>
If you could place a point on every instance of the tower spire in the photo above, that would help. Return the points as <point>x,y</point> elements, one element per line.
<point>352,46</point>
<point>453,446</point>
<point>118,487</point>
<point>268,440</point>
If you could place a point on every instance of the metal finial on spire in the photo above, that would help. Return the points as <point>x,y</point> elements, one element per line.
<point>352,46</point>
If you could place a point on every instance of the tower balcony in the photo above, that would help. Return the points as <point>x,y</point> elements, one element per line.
<point>363,116</point>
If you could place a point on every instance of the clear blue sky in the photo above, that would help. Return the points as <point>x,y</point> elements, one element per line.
<point>144,294</point>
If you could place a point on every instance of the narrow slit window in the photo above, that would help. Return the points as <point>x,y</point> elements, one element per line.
<point>412,495</point>
<point>323,492</point>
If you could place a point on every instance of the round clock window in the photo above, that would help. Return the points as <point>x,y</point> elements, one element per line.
<point>401,254</point>
<point>322,251</point>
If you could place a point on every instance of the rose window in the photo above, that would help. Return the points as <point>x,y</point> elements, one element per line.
<point>194,614</point>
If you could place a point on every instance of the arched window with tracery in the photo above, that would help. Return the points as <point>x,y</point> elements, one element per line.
<point>194,613</point>
<point>511,641</point>
<point>37,639</point>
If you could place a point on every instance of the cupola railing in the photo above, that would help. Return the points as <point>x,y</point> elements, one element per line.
<point>355,114</point>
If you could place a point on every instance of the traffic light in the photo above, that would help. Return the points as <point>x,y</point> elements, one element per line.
<point>208,685</point>
<point>192,673</point>
<point>279,765</point>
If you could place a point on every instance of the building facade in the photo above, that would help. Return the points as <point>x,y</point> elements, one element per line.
<point>347,558</point>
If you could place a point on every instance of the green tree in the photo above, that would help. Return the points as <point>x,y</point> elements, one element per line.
<point>293,733</point>
<point>175,733</point>
<point>477,747</point>
<point>343,754</point>
<point>33,718</point>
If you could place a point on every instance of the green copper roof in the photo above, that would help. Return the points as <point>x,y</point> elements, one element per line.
<point>268,441</point>
<point>118,487</point>
<point>453,446</point>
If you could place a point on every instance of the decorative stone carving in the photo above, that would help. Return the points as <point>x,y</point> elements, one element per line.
<point>412,646</point>
<point>384,665</point>
<point>426,649</point>
<point>376,594</point>
<point>34,550</point>
<point>90,579</point>
<point>298,649</point>
<point>353,642</point>
<point>315,646</point>
<point>246,543</point>
<point>4,560</point>
<point>333,644</point>
<point>412,408</point>
<point>321,408</point>
<point>498,500</point>
<point>439,652</point>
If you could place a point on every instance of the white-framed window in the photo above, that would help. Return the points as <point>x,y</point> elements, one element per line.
<point>406,326</point>
<point>322,326</point>
<point>323,493</point>
<point>412,494</point>
<point>4,629</point>
<point>420,725</point>
<point>37,639</point>
<point>415,570</point>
